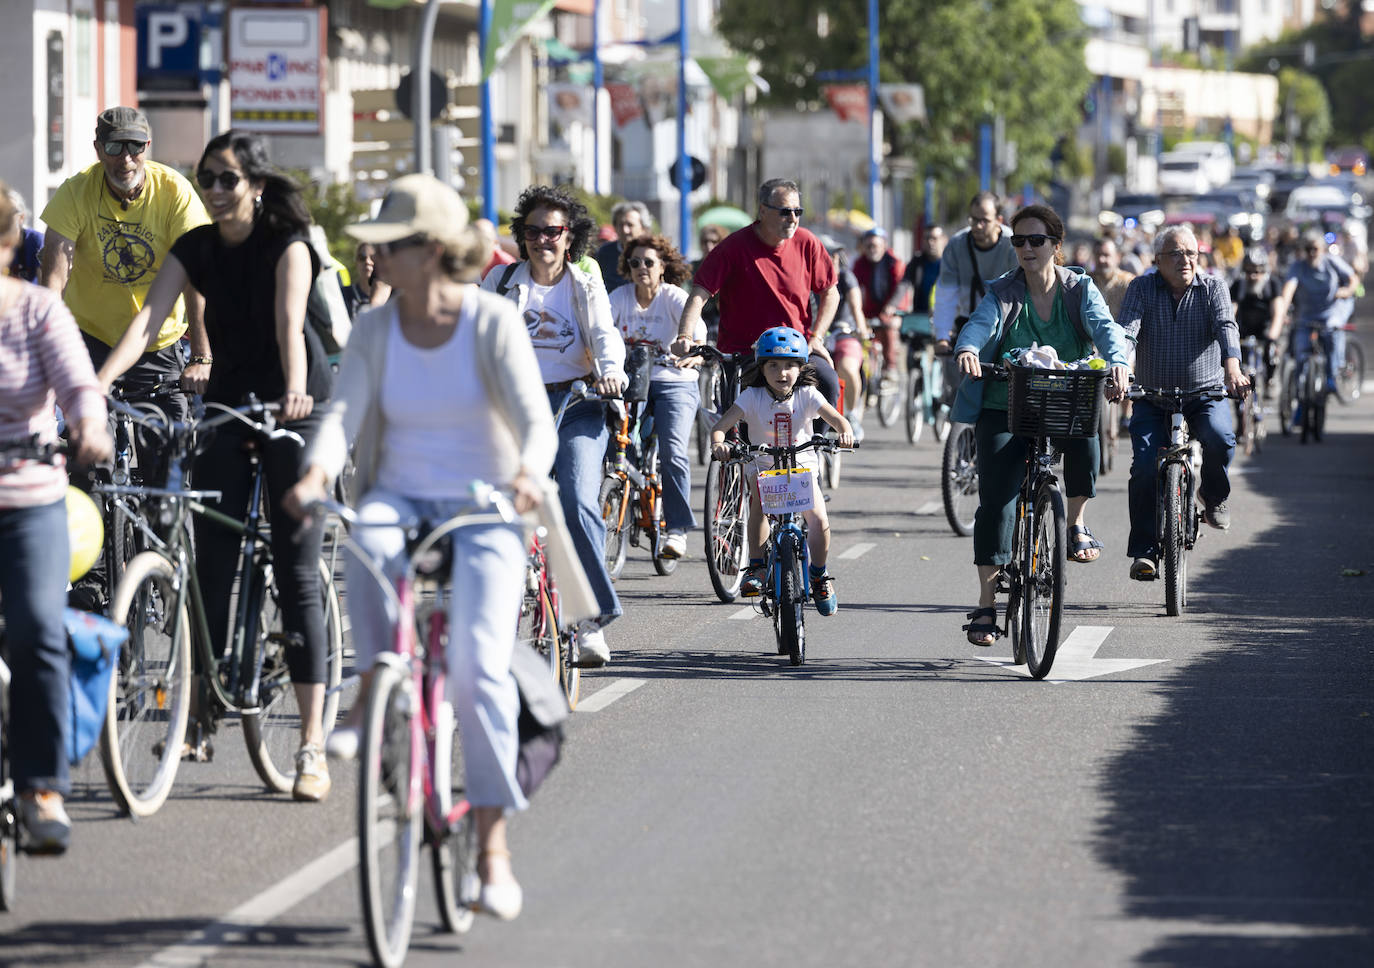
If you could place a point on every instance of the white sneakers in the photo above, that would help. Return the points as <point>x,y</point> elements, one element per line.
<point>675,545</point>
<point>47,827</point>
<point>592,650</point>
<point>343,742</point>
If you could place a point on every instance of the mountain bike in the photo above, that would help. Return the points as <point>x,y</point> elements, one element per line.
<point>411,788</point>
<point>631,497</point>
<point>159,600</point>
<point>1311,384</point>
<point>1250,409</point>
<point>727,490</point>
<point>786,492</point>
<point>1178,465</point>
<point>1045,406</point>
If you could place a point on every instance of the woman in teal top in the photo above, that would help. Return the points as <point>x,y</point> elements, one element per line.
<point>1039,302</point>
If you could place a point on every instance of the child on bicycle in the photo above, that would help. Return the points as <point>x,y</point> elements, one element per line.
<point>778,404</point>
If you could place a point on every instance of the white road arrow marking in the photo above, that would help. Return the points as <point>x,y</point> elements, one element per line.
<point>1076,659</point>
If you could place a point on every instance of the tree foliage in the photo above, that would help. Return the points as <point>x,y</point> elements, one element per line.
<point>1311,109</point>
<point>1022,59</point>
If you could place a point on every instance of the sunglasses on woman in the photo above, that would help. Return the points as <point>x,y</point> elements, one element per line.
<point>227,179</point>
<point>549,233</point>
<point>1036,241</point>
<point>409,242</point>
<point>638,263</point>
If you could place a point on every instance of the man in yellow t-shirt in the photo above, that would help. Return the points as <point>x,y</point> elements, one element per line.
<point>109,229</point>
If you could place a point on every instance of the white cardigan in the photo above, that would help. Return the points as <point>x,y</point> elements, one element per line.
<point>510,377</point>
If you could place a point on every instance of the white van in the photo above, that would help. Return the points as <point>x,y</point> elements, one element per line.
<point>1182,174</point>
<point>1217,162</point>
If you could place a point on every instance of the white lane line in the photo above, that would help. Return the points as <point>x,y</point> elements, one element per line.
<point>604,697</point>
<point>858,549</point>
<point>199,946</point>
<point>744,614</point>
<point>930,507</point>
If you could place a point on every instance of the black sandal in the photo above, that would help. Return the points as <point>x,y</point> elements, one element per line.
<point>977,630</point>
<point>1083,540</point>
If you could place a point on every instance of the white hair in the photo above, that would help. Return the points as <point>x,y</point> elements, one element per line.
<point>1173,232</point>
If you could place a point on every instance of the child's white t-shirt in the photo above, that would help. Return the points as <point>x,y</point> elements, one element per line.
<point>776,423</point>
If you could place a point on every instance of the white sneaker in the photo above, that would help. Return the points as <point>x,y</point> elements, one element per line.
<point>592,650</point>
<point>856,425</point>
<point>343,743</point>
<point>47,827</point>
<point>675,545</point>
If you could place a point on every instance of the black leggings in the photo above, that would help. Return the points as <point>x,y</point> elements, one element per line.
<point>224,466</point>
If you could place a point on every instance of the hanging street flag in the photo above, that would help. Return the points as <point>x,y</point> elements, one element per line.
<point>849,101</point>
<point>728,75</point>
<point>510,19</point>
<point>625,106</point>
<point>903,102</point>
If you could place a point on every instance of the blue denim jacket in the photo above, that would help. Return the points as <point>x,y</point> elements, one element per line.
<point>983,332</point>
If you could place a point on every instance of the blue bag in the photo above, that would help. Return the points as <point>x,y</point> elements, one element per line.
<point>93,642</point>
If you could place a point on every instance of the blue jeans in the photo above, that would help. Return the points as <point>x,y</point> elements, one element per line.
<point>674,405</point>
<point>1212,425</point>
<point>578,468</point>
<point>33,593</point>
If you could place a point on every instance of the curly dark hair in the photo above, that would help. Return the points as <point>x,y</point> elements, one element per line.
<point>580,223</point>
<point>676,271</point>
<point>283,209</point>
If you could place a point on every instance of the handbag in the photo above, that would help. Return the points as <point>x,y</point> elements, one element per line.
<point>93,642</point>
<point>543,710</point>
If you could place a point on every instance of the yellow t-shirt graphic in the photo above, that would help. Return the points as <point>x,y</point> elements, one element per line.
<point>119,251</point>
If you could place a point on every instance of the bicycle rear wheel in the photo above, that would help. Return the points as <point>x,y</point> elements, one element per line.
<point>1350,376</point>
<point>889,399</point>
<point>390,817</point>
<point>453,850</point>
<point>272,732</point>
<point>791,609</point>
<point>150,694</point>
<point>915,404</point>
<point>1043,567</point>
<point>538,627</point>
<point>615,513</point>
<point>1288,396</point>
<point>959,479</point>
<point>1174,533</point>
<point>727,507</point>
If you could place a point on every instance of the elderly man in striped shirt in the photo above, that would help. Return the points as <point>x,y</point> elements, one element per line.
<point>1185,337</point>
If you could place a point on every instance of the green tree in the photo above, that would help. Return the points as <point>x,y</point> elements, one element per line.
<point>1022,59</point>
<point>1304,95</point>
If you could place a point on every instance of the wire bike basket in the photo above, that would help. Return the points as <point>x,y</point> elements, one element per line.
<point>1054,403</point>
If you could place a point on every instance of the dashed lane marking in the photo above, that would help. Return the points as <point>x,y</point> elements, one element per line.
<point>744,614</point>
<point>930,507</point>
<point>602,698</point>
<point>858,550</point>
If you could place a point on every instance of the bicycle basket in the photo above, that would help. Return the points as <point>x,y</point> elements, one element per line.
<point>639,365</point>
<point>1053,403</point>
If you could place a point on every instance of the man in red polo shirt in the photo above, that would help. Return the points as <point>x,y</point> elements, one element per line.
<point>765,275</point>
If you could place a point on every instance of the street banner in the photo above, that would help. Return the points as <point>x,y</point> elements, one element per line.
<point>569,103</point>
<point>655,80</point>
<point>728,75</point>
<point>625,105</point>
<point>510,19</point>
<point>903,102</point>
<point>849,101</point>
<point>276,69</point>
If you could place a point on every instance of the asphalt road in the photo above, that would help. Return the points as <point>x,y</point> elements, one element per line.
<point>1203,800</point>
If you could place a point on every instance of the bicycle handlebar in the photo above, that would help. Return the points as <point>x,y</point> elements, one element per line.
<point>29,448</point>
<point>1177,394</point>
<point>707,351</point>
<point>817,444</point>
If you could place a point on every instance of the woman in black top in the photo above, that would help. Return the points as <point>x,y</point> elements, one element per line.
<point>255,268</point>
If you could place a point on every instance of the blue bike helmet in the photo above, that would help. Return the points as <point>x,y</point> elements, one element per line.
<point>781,343</point>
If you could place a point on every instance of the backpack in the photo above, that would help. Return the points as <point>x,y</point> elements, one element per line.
<point>93,643</point>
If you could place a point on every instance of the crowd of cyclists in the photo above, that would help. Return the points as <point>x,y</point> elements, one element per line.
<point>461,352</point>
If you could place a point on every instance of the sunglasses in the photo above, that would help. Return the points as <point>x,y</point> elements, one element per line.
<point>115,148</point>
<point>409,242</point>
<point>785,212</point>
<point>549,233</point>
<point>1036,241</point>
<point>227,179</point>
<point>638,263</point>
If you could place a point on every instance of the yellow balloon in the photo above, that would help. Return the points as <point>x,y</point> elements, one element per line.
<point>85,532</point>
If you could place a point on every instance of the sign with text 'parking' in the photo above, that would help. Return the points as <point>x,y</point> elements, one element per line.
<point>276,69</point>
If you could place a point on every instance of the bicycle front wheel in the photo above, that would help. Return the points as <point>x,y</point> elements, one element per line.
<point>791,610</point>
<point>615,514</point>
<point>727,506</point>
<point>390,817</point>
<point>272,731</point>
<point>959,479</point>
<point>915,404</point>
<point>1174,534</point>
<point>889,399</point>
<point>1350,376</point>
<point>150,693</point>
<point>453,852</point>
<point>1044,587</point>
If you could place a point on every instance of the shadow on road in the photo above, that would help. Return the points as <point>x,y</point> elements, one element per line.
<point>1243,810</point>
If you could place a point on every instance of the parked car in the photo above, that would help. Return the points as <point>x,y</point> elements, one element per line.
<point>1307,203</point>
<point>1217,162</point>
<point>1285,180</point>
<point>1351,158</point>
<point>1182,174</point>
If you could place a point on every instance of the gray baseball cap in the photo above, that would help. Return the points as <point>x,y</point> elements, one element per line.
<point>122,124</point>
